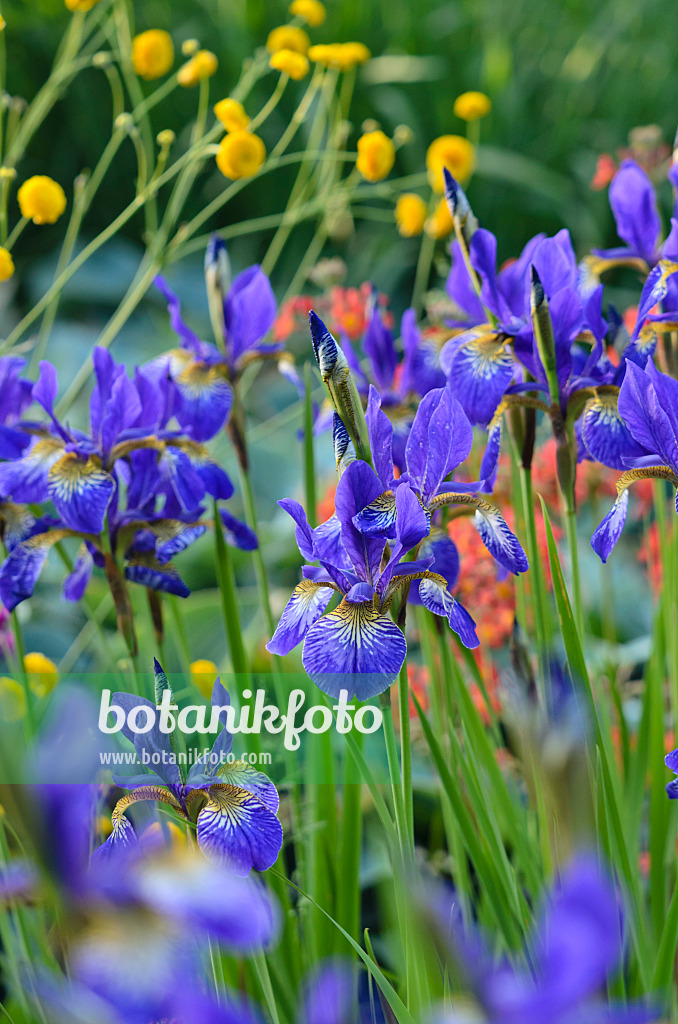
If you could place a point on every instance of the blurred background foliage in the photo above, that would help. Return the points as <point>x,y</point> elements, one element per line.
<point>568,80</point>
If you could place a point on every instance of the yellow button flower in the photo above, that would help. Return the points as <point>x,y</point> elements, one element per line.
<point>312,11</point>
<point>202,66</point>
<point>42,673</point>
<point>80,5</point>
<point>41,199</point>
<point>3,23</point>
<point>288,37</point>
<point>152,53</point>
<point>6,264</point>
<point>342,56</point>
<point>232,114</point>
<point>451,151</point>
<point>203,674</point>
<point>440,223</point>
<point>471,106</point>
<point>240,155</point>
<point>376,155</point>
<point>290,63</point>
<point>12,700</point>
<point>410,214</point>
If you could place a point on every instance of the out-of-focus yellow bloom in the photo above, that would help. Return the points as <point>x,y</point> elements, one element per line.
<point>288,37</point>
<point>12,700</point>
<point>240,155</point>
<point>41,199</point>
<point>80,5</point>
<point>342,56</point>
<point>203,674</point>
<point>376,154</point>
<point>165,138</point>
<point>290,63</point>
<point>189,47</point>
<point>6,264</point>
<point>152,53</point>
<point>202,66</point>
<point>451,151</point>
<point>410,214</point>
<point>232,114</point>
<point>440,223</point>
<point>471,106</point>
<point>42,673</point>
<point>166,834</point>
<point>312,11</point>
<point>3,23</point>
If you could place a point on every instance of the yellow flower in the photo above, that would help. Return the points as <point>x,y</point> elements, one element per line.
<point>376,155</point>
<point>440,224</point>
<point>203,674</point>
<point>232,114</point>
<point>410,214</point>
<point>312,11</point>
<point>203,65</point>
<point>12,700</point>
<point>290,63</point>
<point>80,5</point>
<point>451,151</point>
<point>6,264</point>
<point>41,199</point>
<point>342,56</point>
<point>240,155</point>
<point>288,37</point>
<point>152,53</point>
<point>42,673</point>
<point>3,23</point>
<point>471,106</point>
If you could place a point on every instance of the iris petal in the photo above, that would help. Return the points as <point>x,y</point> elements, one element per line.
<point>609,531</point>
<point>606,436</point>
<point>81,491</point>
<point>479,372</point>
<point>237,830</point>
<point>355,648</point>
<point>306,605</point>
<point>378,519</point>
<point>206,399</point>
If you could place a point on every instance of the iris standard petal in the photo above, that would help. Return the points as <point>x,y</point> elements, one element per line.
<point>238,831</point>
<point>355,648</point>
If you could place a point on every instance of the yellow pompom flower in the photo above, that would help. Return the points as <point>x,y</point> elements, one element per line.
<point>440,223</point>
<point>12,700</point>
<point>240,155</point>
<point>6,264</point>
<point>80,5</point>
<point>451,151</point>
<point>342,56</point>
<point>3,23</point>
<point>312,11</point>
<point>203,674</point>
<point>410,214</point>
<point>42,673</point>
<point>471,106</point>
<point>376,155</point>
<point>232,114</point>
<point>41,199</point>
<point>288,37</point>
<point>290,63</point>
<point>152,53</point>
<point>202,66</point>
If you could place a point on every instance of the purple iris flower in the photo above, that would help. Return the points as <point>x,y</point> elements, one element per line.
<point>440,439</point>
<point>648,405</point>
<point>233,805</point>
<point>634,207</point>
<point>201,374</point>
<point>575,948</point>
<point>131,477</point>
<point>357,647</point>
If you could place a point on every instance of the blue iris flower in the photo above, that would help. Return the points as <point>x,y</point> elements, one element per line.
<point>648,405</point>
<point>132,485</point>
<point>232,805</point>
<point>201,374</point>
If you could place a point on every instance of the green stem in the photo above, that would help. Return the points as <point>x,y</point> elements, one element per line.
<point>309,462</point>
<point>229,601</point>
